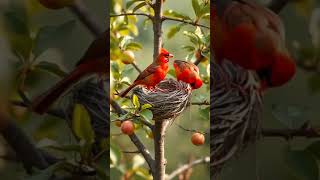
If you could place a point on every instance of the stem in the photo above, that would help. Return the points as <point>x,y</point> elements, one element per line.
<point>184,21</point>
<point>131,14</point>
<point>89,20</point>
<point>157,28</point>
<point>160,161</point>
<point>188,166</point>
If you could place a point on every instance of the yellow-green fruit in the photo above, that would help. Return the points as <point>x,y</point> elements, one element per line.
<point>56,4</point>
<point>128,57</point>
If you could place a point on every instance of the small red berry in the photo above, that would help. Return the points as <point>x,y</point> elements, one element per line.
<point>127,127</point>
<point>197,139</point>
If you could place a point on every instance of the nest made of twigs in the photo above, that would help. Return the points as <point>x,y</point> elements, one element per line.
<point>168,99</point>
<point>236,107</point>
<point>94,96</point>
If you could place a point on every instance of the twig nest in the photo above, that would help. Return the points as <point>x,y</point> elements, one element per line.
<point>236,105</point>
<point>94,96</point>
<point>168,99</point>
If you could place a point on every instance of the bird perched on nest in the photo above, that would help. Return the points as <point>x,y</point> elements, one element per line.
<point>187,72</point>
<point>94,61</point>
<point>253,37</point>
<point>153,74</point>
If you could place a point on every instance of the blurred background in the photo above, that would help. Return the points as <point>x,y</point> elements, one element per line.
<point>34,64</point>
<point>289,107</point>
<point>178,147</point>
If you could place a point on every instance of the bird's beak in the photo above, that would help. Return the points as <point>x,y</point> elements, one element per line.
<point>170,55</point>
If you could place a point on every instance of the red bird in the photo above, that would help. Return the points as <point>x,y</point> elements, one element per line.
<point>153,74</point>
<point>94,61</point>
<point>253,37</point>
<point>188,72</point>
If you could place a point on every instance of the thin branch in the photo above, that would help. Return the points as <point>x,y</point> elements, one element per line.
<point>164,18</point>
<point>26,151</point>
<point>131,152</point>
<point>131,14</point>
<point>144,151</point>
<point>136,141</point>
<point>53,112</point>
<point>189,130</point>
<point>291,133</point>
<point>187,166</point>
<point>88,19</point>
<point>136,67</point>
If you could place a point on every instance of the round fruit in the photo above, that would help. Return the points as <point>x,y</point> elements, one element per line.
<point>56,4</point>
<point>127,127</point>
<point>128,57</point>
<point>118,123</point>
<point>197,139</point>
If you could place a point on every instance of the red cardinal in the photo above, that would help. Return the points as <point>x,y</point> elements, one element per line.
<point>153,74</point>
<point>188,72</point>
<point>253,37</point>
<point>94,61</point>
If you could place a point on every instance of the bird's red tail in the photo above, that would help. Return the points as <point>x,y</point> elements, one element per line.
<point>124,93</point>
<point>42,103</point>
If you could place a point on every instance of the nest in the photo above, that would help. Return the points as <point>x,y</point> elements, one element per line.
<point>236,105</point>
<point>168,99</point>
<point>94,95</point>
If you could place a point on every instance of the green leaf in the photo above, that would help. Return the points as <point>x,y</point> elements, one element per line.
<point>189,48</point>
<point>196,8</point>
<point>135,101</point>
<point>174,30</point>
<point>146,106</point>
<point>140,5</point>
<point>52,36</point>
<point>130,3</point>
<point>205,113</point>
<point>51,68</point>
<point>133,46</point>
<point>115,155</point>
<point>192,37</point>
<point>171,13</point>
<point>302,164</point>
<point>82,124</point>
<point>147,114</point>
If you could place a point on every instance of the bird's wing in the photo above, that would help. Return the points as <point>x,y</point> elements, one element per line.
<point>148,71</point>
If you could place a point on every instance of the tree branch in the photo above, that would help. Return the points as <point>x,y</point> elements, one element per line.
<point>136,141</point>
<point>136,67</point>
<point>26,151</point>
<point>291,133</point>
<point>89,20</point>
<point>159,137</point>
<point>132,14</point>
<point>157,28</point>
<point>164,18</point>
<point>187,166</point>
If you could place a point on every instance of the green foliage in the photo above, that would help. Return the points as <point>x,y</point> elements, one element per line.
<point>82,124</point>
